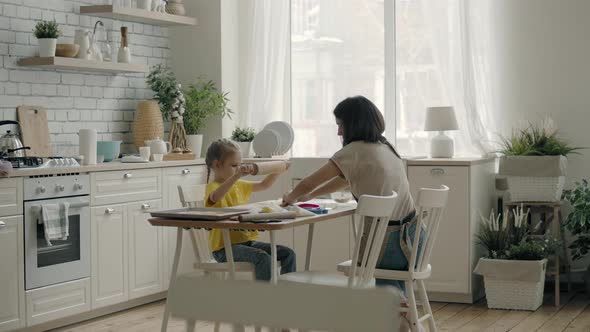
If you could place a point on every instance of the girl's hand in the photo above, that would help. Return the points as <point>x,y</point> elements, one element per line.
<point>244,170</point>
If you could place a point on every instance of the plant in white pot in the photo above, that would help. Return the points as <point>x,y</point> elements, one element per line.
<point>47,33</point>
<point>515,265</point>
<point>244,138</point>
<point>203,100</point>
<point>578,223</point>
<point>535,163</point>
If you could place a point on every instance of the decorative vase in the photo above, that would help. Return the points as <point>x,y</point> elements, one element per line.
<point>47,47</point>
<point>175,7</point>
<point>148,122</point>
<point>245,148</point>
<point>195,143</point>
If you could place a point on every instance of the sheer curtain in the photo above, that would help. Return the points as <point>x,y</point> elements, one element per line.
<point>265,65</point>
<point>442,50</point>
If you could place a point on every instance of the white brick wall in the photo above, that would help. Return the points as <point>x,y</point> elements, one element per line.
<point>74,100</point>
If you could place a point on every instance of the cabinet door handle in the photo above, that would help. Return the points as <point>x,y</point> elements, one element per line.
<point>145,206</point>
<point>109,211</point>
<point>437,171</point>
<point>186,171</point>
<point>2,224</point>
<point>128,175</point>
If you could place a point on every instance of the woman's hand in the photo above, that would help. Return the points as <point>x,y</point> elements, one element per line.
<point>287,200</point>
<point>305,198</point>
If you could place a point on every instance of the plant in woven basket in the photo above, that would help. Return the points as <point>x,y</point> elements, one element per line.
<point>243,134</point>
<point>203,100</point>
<point>493,235</point>
<point>46,29</point>
<point>536,140</point>
<point>533,249</point>
<point>578,221</point>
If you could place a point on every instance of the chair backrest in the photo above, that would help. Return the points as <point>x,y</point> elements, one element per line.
<point>374,213</point>
<point>289,305</point>
<point>193,197</point>
<point>431,204</point>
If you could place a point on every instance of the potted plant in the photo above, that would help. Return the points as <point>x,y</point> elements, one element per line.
<point>244,137</point>
<point>578,223</point>
<point>534,163</point>
<point>47,33</point>
<point>203,100</point>
<point>515,265</point>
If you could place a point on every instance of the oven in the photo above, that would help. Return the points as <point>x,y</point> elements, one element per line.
<point>64,259</point>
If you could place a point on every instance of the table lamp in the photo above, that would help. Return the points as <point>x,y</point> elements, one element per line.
<point>440,119</point>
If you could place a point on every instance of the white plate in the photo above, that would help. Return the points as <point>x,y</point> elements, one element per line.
<point>266,143</point>
<point>286,133</point>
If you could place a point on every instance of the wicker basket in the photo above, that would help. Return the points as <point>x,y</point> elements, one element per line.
<point>535,189</point>
<point>148,122</point>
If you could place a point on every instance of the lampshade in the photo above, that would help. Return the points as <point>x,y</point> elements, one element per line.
<point>440,118</point>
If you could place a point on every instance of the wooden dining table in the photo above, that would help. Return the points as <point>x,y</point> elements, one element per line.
<point>341,210</point>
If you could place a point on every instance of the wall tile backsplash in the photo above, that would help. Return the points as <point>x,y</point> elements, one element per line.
<point>74,100</point>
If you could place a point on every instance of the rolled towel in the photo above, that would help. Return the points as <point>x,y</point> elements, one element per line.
<point>266,216</point>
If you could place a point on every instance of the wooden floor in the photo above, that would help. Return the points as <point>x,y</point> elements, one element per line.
<point>572,316</point>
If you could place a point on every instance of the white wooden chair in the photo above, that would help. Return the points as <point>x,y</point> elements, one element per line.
<point>430,204</point>
<point>298,306</point>
<point>375,210</point>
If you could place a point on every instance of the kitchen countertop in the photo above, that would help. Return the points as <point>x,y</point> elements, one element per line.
<point>457,161</point>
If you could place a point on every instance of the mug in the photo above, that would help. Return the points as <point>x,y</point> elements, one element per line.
<point>144,152</point>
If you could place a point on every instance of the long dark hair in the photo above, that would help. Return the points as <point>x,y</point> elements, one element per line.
<point>361,121</point>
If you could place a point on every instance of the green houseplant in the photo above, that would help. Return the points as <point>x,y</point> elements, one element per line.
<point>578,223</point>
<point>244,137</point>
<point>534,162</point>
<point>515,264</point>
<point>203,100</point>
<point>47,33</point>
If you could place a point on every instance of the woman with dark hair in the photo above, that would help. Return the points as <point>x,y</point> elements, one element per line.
<point>369,165</point>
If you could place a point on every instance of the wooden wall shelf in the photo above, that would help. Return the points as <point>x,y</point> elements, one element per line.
<point>136,15</point>
<point>82,65</point>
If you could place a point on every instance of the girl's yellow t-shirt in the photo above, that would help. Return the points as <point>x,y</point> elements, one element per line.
<point>238,194</point>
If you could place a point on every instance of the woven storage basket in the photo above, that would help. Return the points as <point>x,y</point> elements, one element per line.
<point>148,122</point>
<point>535,189</point>
<point>514,295</point>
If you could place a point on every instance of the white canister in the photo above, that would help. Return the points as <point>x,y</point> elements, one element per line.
<point>88,138</point>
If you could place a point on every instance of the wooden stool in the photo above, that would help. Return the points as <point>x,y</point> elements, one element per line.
<point>555,209</point>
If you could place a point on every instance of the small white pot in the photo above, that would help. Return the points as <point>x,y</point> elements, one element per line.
<point>245,148</point>
<point>47,47</point>
<point>195,143</point>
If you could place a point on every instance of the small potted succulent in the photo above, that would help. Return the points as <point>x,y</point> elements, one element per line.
<point>244,137</point>
<point>47,33</point>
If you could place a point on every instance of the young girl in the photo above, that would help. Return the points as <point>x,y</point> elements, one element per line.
<point>227,189</point>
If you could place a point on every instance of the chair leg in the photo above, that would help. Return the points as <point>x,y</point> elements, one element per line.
<point>426,305</point>
<point>217,327</point>
<point>412,308</point>
<point>257,329</point>
<point>190,325</point>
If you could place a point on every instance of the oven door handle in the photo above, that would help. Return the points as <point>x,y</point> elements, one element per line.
<point>37,208</point>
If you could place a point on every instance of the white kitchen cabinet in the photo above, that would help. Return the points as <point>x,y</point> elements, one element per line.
<point>12,286</point>
<point>172,178</point>
<point>109,255</point>
<point>471,183</point>
<point>11,197</point>
<point>146,250</point>
<point>125,186</point>
<point>58,301</point>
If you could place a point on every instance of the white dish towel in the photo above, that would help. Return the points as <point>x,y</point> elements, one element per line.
<point>55,221</point>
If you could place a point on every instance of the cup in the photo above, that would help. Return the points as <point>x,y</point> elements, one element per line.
<point>158,157</point>
<point>144,152</point>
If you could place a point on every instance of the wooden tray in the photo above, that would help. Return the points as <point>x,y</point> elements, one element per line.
<point>200,213</point>
<point>179,156</point>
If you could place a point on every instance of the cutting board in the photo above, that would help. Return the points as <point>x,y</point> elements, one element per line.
<point>34,130</point>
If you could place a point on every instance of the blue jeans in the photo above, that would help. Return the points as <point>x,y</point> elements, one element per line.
<point>394,258</point>
<point>258,253</point>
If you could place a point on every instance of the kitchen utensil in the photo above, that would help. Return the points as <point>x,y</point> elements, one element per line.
<point>34,130</point>
<point>11,141</point>
<point>124,55</point>
<point>109,149</point>
<point>144,152</point>
<point>266,143</point>
<point>286,133</point>
<point>82,38</point>
<point>88,145</point>
<point>158,146</point>
<point>269,167</point>
<point>67,50</point>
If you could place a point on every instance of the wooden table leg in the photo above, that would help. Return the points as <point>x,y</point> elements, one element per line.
<point>556,236</point>
<point>309,245</point>
<point>172,276</point>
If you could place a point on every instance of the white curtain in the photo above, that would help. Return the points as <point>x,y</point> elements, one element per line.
<point>447,62</point>
<point>265,65</point>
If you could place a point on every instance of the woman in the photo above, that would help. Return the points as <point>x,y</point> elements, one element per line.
<point>369,165</point>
